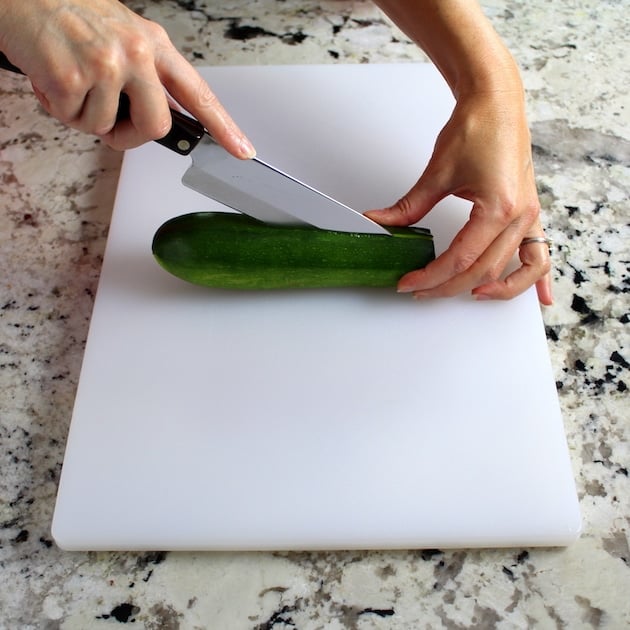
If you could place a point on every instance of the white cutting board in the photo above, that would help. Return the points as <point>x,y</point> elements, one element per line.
<point>208,419</point>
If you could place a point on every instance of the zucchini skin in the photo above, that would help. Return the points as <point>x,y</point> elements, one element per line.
<point>233,251</point>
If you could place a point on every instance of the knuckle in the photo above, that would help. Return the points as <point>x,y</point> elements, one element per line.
<point>206,98</point>
<point>405,208</point>
<point>70,85</point>
<point>63,95</point>
<point>153,126</point>
<point>156,32</point>
<point>463,262</point>
<point>105,64</point>
<point>493,274</point>
<point>159,128</point>
<point>511,210</point>
<point>531,211</point>
<point>508,210</point>
<point>138,49</point>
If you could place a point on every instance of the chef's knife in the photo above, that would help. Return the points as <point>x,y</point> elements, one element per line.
<point>252,187</point>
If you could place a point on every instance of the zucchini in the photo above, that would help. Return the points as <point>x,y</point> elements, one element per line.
<point>233,251</point>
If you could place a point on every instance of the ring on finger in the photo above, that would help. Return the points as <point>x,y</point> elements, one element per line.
<point>537,239</point>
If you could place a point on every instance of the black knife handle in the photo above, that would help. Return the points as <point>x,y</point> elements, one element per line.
<point>5,64</point>
<point>185,133</point>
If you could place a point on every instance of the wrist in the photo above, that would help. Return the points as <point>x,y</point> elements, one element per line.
<point>461,42</point>
<point>492,73</point>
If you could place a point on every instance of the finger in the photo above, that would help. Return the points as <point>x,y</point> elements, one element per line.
<point>149,116</point>
<point>98,115</point>
<point>535,269</point>
<point>487,268</point>
<point>516,283</point>
<point>65,106</point>
<point>149,108</point>
<point>189,89</point>
<point>414,205</point>
<point>62,84</point>
<point>462,259</point>
<point>544,290</point>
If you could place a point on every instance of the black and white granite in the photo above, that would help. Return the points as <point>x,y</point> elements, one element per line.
<point>56,196</point>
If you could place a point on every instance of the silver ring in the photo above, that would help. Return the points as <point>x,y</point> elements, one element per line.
<point>537,239</point>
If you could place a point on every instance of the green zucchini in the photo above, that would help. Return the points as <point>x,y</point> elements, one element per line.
<point>233,251</point>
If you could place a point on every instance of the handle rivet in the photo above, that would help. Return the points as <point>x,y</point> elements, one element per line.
<point>183,145</point>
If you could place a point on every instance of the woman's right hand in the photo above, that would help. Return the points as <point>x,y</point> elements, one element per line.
<point>80,55</point>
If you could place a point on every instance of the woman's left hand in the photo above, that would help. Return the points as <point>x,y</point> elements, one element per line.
<point>483,154</point>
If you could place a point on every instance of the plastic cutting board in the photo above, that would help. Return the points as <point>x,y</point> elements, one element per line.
<point>320,419</point>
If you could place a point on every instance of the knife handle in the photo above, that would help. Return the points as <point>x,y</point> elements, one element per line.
<point>185,133</point>
<point>5,64</point>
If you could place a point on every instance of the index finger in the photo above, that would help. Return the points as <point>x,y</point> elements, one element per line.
<point>191,91</point>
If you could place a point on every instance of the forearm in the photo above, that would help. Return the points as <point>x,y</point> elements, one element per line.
<point>483,155</point>
<point>460,41</point>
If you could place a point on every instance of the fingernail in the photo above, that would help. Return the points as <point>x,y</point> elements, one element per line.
<point>247,149</point>
<point>407,286</point>
<point>419,295</point>
<point>481,297</point>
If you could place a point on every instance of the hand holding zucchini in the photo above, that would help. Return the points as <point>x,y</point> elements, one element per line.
<point>233,251</point>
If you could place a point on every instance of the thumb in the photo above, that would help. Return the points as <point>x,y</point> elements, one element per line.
<point>411,207</point>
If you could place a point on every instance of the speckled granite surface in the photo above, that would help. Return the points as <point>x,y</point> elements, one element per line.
<point>56,195</point>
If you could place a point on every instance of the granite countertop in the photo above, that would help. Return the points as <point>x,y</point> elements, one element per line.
<point>56,196</point>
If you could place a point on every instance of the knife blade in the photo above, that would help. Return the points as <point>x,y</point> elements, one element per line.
<point>252,187</point>
<point>260,190</point>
